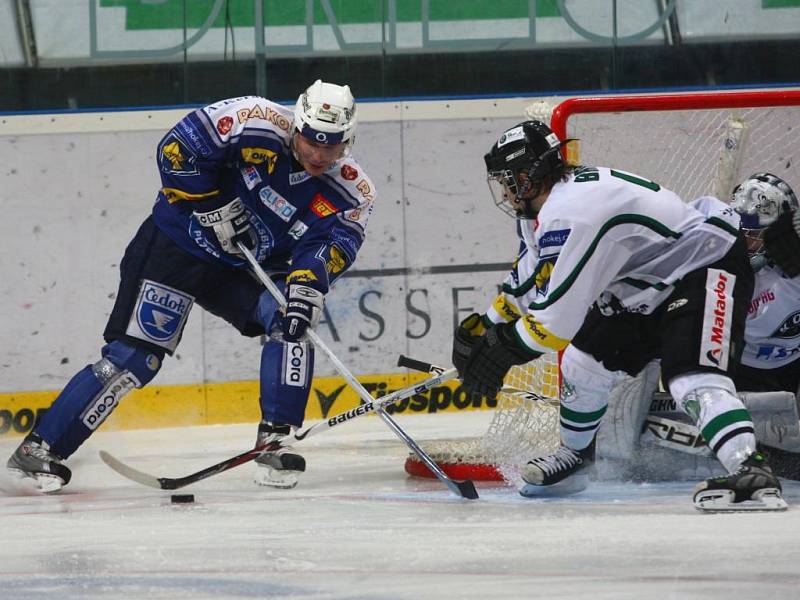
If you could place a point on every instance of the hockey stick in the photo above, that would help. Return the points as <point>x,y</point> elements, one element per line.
<point>374,405</point>
<point>465,489</point>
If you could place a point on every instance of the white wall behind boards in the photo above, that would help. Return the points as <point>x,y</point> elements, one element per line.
<point>74,189</point>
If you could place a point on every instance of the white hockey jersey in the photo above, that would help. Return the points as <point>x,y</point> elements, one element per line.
<point>609,237</point>
<point>772,333</point>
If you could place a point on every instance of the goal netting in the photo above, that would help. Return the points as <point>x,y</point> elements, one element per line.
<point>694,144</point>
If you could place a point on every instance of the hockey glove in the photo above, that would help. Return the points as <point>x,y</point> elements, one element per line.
<point>464,340</point>
<point>493,355</point>
<point>303,310</point>
<point>230,224</point>
<point>782,242</point>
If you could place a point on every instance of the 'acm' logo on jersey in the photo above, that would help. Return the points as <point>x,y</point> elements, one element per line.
<point>160,314</point>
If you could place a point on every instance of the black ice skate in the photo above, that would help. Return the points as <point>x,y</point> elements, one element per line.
<point>751,487</point>
<point>33,459</point>
<point>565,472</point>
<point>279,465</point>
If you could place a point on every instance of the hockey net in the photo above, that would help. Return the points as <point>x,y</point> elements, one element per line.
<point>694,144</point>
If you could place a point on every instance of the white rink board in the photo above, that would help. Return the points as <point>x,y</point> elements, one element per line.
<point>74,189</point>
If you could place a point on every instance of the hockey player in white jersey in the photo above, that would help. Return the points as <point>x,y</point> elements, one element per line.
<point>627,272</point>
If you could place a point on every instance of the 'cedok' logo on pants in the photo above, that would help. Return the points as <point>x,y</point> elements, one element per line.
<point>160,314</point>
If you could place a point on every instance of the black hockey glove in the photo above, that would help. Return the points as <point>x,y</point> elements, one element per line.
<point>231,224</point>
<point>782,242</point>
<point>493,355</point>
<point>303,310</point>
<point>466,336</point>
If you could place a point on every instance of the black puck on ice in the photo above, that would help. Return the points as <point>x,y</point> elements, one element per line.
<point>182,498</point>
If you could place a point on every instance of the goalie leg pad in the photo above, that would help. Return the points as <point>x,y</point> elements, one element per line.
<point>286,372</point>
<point>93,393</point>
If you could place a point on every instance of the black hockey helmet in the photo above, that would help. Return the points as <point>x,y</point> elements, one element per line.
<point>518,162</point>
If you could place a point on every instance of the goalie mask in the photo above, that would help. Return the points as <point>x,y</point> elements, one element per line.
<point>517,164</point>
<point>326,114</point>
<point>759,200</point>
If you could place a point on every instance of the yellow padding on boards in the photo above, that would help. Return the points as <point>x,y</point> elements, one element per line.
<point>236,402</point>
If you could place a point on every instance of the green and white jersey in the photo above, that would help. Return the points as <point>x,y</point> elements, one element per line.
<point>611,238</point>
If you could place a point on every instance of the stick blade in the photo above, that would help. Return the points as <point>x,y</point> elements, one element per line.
<point>466,489</point>
<point>129,472</point>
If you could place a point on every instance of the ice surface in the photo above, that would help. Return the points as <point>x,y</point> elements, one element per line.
<point>356,527</point>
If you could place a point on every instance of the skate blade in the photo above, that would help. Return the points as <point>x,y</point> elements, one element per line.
<point>269,477</point>
<point>565,487</point>
<point>768,499</point>
<point>40,482</point>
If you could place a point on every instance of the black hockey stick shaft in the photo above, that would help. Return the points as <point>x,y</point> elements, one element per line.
<point>465,489</point>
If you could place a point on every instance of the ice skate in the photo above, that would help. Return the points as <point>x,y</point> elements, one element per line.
<point>562,473</point>
<point>751,487</point>
<point>279,465</point>
<point>33,459</point>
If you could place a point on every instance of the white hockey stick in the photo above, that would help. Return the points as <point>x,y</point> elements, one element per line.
<point>465,489</point>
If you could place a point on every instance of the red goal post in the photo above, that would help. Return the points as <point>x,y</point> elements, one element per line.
<point>700,143</point>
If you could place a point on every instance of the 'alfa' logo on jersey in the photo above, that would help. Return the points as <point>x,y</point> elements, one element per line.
<point>276,203</point>
<point>715,345</point>
<point>160,314</point>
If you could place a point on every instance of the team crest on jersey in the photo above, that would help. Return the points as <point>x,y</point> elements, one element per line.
<point>349,173</point>
<point>176,158</point>
<point>224,125</point>
<point>334,259</point>
<point>541,276</point>
<point>276,203</point>
<point>790,328</point>
<point>160,314</point>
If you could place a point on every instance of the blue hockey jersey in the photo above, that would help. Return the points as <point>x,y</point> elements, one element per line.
<point>311,226</point>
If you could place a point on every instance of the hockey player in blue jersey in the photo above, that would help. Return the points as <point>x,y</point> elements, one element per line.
<point>240,170</point>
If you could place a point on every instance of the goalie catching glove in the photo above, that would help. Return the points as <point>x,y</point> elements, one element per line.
<point>230,224</point>
<point>303,310</point>
<point>491,357</point>
<point>782,242</point>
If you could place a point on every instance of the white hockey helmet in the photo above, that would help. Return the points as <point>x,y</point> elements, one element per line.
<point>326,113</point>
<point>761,198</point>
